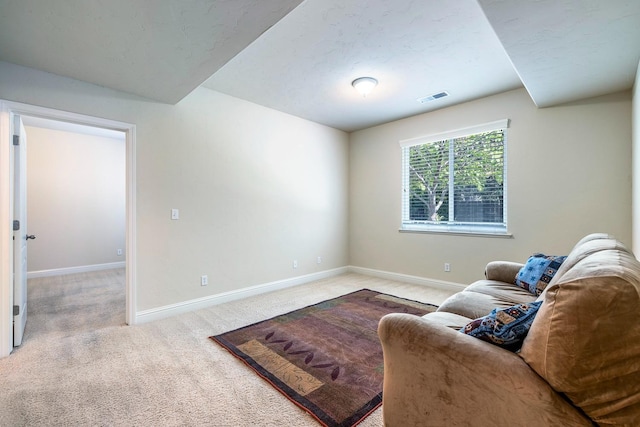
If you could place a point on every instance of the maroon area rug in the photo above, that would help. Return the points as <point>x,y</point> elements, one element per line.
<point>326,358</point>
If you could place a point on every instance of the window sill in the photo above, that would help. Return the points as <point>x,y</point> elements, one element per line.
<point>496,234</point>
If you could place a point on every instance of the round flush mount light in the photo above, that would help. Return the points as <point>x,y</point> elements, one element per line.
<point>364,85</point>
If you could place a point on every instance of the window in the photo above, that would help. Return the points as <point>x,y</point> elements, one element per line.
<point>456,181</point>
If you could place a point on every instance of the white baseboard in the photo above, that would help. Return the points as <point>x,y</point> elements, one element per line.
<point>208,301</point>
<point>414,280</point>
<point>163,312</point>
<point>74,270</point>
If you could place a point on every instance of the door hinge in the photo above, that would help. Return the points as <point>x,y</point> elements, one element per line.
<point>16,139</point>
<point>16,225</point>
<point>16,310</point>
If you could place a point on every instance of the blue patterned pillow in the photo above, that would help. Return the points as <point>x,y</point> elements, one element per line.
<point>538,272</point>
<point>506,327</point>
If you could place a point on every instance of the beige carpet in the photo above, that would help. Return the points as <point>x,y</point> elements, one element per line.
<point>80,365</point>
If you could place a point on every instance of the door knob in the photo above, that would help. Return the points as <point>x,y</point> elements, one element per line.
<point>30,236</point>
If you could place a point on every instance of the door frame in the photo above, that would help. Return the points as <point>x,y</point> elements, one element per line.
<point>7,110</point>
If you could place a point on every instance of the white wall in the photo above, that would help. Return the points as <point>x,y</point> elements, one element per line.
<point>569,174</point>
<point>256,188</point>
<point>75,199</point>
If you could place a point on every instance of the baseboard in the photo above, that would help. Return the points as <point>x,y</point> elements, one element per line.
<point>414,280</point>
<point>208,301</point>
<point>163,312</point>
<point>74,270</point>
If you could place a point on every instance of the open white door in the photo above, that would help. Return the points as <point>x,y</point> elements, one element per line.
<point>20,236</point>
<point>8,128</point>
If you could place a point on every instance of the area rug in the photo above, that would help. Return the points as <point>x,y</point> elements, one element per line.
<point>326,358</point>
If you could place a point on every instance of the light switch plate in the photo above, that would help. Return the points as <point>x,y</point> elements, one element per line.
<point>175,214</point>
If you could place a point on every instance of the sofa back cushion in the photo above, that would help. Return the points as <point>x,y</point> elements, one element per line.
<point>588,245</point>
<point>585,340</point>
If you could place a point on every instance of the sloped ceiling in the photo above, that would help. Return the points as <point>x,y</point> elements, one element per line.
<point>566,50</point>
<point>157,49</point>
<point>300,57</point>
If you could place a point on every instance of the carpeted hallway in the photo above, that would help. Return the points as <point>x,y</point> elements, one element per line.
<point>80,365</point>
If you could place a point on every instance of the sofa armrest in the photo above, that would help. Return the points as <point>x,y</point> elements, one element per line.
<point>436,376</point>
<point>502,271</point>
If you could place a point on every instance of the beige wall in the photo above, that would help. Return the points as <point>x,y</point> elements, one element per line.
<point>256,188</point>
<point>569,174</point>
<point>76,199</point>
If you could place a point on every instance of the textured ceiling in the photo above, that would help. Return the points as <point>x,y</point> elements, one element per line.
<point>305,64</point>
<point>300,57</point>
<point>161,50</point>
<point>565,50</point>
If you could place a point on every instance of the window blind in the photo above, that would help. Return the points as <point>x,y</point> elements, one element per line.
<point>457,183</point>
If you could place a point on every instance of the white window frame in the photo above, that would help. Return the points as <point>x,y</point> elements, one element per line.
<point>451,227</point>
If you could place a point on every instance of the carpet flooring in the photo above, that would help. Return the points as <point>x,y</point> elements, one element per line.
<point>327,357</point>
<point>80,365</point>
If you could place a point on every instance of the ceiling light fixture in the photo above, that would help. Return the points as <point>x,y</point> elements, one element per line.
<point>364,85</point>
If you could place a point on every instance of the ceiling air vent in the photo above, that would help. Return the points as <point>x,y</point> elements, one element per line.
<point>433,97</point>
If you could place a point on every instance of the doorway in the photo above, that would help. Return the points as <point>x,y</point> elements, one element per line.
<point>76,197</point>
<point>8,110</point>
<point>75,179</point>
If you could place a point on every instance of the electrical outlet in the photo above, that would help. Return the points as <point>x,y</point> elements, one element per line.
<point>447,267</point>
<point>295,263</point>
<point>319,260</point>
<point>175,214</point>
<point>119,251</point>
<point>204,280</point>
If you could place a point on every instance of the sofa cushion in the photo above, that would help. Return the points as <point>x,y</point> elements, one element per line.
<point>593,236</point>
<point>586,246</point>
<point>585,340</point>
<point>507,292</point>
<point>505,327</point>
<point>479,298</point>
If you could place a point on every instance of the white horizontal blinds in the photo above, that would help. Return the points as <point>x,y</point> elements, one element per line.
<point>478,183</point>
<point>427,187</point>
<point>456,178</point>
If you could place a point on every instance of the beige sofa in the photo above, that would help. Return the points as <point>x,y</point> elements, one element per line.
<point>578,365</point>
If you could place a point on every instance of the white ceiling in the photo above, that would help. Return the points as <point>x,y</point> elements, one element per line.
<point>305,64</point>
<point>159,49</point>
<point>566,50</point>
<point>301,60</point>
